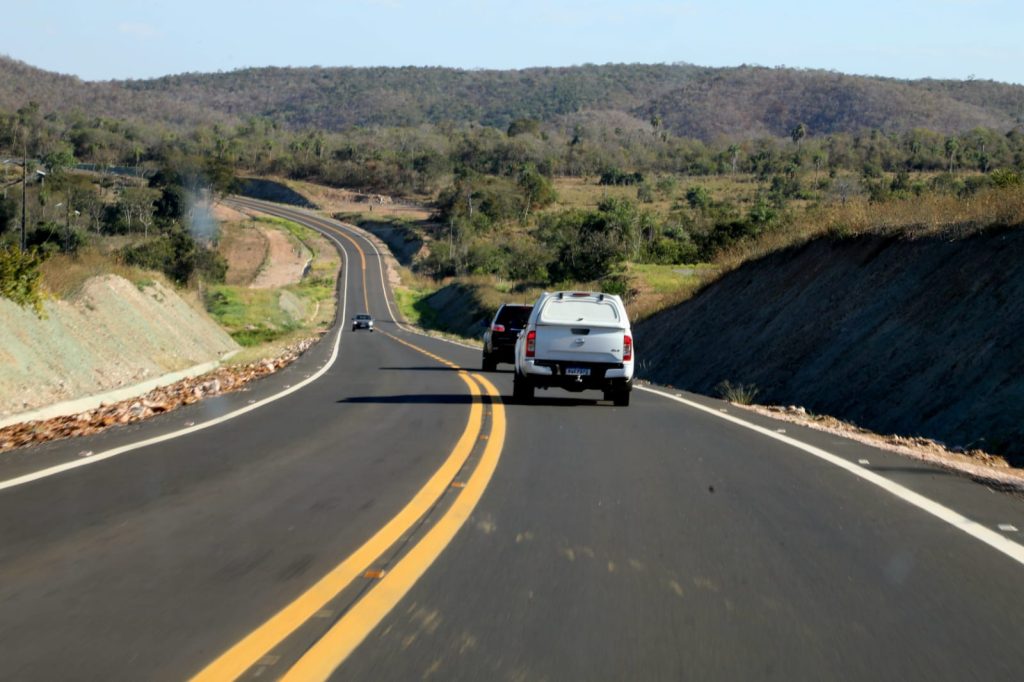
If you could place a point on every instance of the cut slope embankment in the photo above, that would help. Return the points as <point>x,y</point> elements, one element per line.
<point>919,337</point>
<point>111,335</point>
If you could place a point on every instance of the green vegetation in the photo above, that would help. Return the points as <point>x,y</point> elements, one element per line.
<point>539,178</point>
<point>19,277</point>
<point>414,308</point>
<point>678,99</point>
<point>259,316</point>
<point>179,257</point>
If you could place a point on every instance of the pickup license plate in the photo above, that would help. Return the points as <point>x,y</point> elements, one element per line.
<point>577,371</point>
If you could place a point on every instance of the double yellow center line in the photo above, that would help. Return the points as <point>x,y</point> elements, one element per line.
<point>334,646</point>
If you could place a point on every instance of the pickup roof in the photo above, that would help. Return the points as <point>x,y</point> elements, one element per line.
<point>575,340</point>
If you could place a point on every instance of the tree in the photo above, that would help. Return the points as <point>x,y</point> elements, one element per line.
<point>698,198</point>
<point>137,203</point>
<point>798,133</point>
<point>523,126</point>
<point>86,199</point>
<point>734,153</point>
<point>220,174</point>
<point>58,161</point>
<point>8,213</point>
<point>20,277</point>
<point>538,191</point>
<point>952,146</point>
<point>173,203</point>
<point>656,123</point>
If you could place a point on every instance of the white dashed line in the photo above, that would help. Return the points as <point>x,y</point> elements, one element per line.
<point>976,530</point>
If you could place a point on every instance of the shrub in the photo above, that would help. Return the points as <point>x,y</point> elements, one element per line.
<point>51,238</point>
<point>698,198</point>
<point>178,256</point>
<point>741,394</point>
<point>20,277</point>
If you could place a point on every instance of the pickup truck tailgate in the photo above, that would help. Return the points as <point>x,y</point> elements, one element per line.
<point>579,343</point>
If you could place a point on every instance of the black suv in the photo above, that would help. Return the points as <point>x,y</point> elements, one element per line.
<point>500,337</point>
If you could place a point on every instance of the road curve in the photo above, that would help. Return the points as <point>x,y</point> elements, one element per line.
<point>563,540</point>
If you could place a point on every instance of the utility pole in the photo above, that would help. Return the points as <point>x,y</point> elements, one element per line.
<point>24,202</point>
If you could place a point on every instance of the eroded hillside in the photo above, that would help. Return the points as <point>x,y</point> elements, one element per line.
<point>917,337</point>
<point>111,335</point>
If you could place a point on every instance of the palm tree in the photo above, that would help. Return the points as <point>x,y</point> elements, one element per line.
<point>798,133</point>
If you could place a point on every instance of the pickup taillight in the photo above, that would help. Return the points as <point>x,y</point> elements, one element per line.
<point>627,348</point>
<point>531,343</point>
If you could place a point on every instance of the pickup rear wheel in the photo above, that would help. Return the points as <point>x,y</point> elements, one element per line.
<point>522,389</point>
<point>618,398</point>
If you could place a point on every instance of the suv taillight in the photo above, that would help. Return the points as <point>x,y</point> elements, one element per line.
<point>498,327</point>
<point>531,343</point>
<point>627,348</point>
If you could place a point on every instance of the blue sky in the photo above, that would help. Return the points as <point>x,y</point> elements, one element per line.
<point>105,39</point>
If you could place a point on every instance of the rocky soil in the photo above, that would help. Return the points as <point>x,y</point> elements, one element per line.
<point>163,399</point>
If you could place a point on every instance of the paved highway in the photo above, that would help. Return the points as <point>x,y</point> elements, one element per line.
<point>377,511</point>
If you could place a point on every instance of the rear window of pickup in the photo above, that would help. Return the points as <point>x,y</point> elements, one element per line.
<point>579,310</point>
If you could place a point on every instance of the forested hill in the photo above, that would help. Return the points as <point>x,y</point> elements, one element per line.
<point>685,99</point>
<point>21,84</point>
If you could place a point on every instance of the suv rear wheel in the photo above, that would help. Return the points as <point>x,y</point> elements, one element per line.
<point>489,363</point>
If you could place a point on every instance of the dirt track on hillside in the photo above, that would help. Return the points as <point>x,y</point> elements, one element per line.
<point>287,259</point>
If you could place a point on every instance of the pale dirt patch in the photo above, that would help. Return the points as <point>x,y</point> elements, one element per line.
<point>245,248</point>
<point>226,214</point>
<point>286,261</point>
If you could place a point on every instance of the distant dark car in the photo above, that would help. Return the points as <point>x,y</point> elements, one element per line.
<point>362,321</point>
<point>500,337</point>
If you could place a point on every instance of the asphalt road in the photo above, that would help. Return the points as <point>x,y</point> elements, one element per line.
<point>395,519</point>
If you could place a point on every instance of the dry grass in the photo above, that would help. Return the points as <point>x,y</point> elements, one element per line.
<point>913,218</point>
<point>333,200</point>
<point>586,193</point>
<point>658,287</point>
<point>246,249</point>
<point>63,275</point>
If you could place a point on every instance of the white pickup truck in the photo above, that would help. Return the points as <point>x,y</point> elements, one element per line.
<point>576,340</point>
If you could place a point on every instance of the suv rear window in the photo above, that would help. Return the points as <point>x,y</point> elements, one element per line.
<point>578,310</point>
<point>514,315</point>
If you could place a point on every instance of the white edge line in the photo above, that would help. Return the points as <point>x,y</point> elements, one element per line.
<point>976,530</point>
<point>114,452</point>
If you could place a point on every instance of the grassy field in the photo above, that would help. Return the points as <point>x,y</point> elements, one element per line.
<point>659,286</point>
<point>586,193</point>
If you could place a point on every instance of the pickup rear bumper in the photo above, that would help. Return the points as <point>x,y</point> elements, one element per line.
<point>598,375</point>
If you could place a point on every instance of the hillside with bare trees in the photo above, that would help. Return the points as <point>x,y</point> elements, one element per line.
<point>683,99</point>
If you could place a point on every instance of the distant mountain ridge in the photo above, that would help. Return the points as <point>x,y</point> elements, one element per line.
<point>687,100</point>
